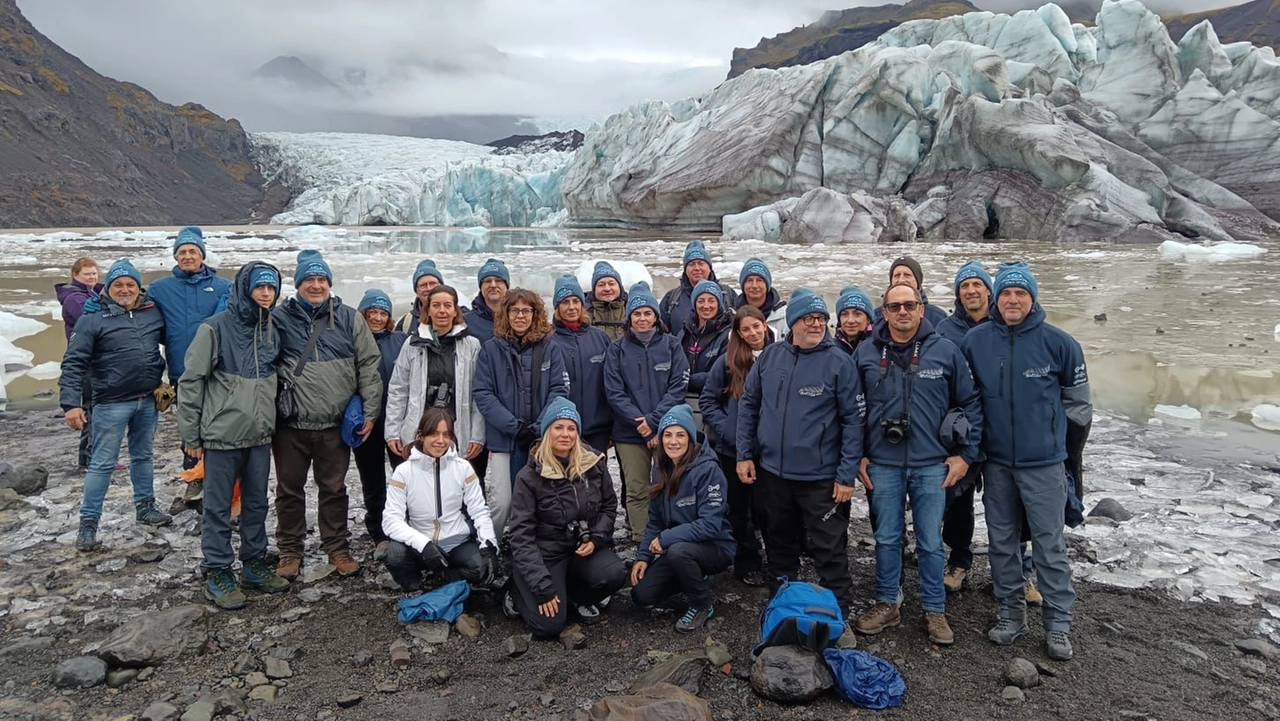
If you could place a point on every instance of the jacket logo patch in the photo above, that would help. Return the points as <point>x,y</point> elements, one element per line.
<point>713,493</point>
<point>596,358</point>
<point>546,366</point>
<point>686,501</point>
<point>931,374</point>
<point>1041,372</point>
<point>662,367</point>
<point>1080,375</point>
<point>209,289</point>
<point>812,391</point>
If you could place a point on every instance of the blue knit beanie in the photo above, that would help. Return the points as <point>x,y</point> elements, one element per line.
<point>681,415</point>
<point>695,250</point>
<point>604,269</point>
<point>566,287</point>
<point>853,297</point>
<point>493,268</point>
<point>264,275</point>
<point>559,409</point>
<point>374,298</point>
<point>756,267</point>
<point>311,264</point>
<point>805,302</point>
<point>641,297</point>
<point>972,269</point>
<point>425,268</point>
<point>190,235</point>
<point>1016,275</point>
<point>708,286</point>
<point>122,269</point>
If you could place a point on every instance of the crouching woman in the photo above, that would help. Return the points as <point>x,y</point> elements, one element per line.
<point>562,515</point>
<point>688,537</point>
<point>424,517</point>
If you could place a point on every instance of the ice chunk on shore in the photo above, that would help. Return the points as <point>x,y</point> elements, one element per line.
<point>14,327</point>
<point>1179,415</point>
<point>1216,253</point>
<point>1267,417</point>
<point>11,354</point>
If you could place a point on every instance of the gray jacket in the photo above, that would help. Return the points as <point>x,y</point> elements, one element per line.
<point>407,393</point>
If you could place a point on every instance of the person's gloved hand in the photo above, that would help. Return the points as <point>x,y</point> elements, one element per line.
<point>525,435</point>
<point>489,564</point>
<point>433,557</point>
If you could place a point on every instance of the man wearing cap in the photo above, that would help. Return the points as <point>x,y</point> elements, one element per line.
<point>800,432</point>
<point>344,363</point>
<point>757,289</point>
<point>494,280</point>
<point>425,277</point>
<point>1035,389</point>
<point>191,294</point>
<point>913,378</point>
<point>907,270</point>
<point>227,416</point>
<point>854,313</point>
<point>116,345</point>
<point>607,301</point>
<point>677,304</point>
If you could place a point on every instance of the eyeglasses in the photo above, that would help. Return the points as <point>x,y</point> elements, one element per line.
<point>907,305</point>
<point>519,312</point>
<point>812,320</point>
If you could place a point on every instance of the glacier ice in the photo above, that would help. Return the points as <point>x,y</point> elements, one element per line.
<point>1266,416</point>
<point>1217,252</point>
<point>13,327</point>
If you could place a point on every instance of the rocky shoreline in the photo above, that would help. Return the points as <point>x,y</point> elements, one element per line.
<point>332,648</point>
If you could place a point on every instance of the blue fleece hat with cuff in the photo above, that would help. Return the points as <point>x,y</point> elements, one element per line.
<point>641,297</point>
<point>756,267</point>
<point>374,298</point>
<point>1016,275</point>
<point>566,287</point>
<point>695,250</point>
<point>190,235</point>
<point>493,268</point>
<point>970,270</point>
<point>855,298</point>
<point>708,287</point>
<point>559,409</point>
<point>264,276</point>
<point>122,269</point>
<point>424,269</point>
<point>681,415</point>
<point>310,265</point>
<point>604,269</point>
<point>805,302</point>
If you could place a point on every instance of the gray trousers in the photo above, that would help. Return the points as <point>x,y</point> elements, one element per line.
<point>1039,494</point>
<point>221,469</point>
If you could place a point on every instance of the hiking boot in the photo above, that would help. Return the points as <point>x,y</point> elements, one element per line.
<point>258,575</point>
<point>755,579</point>
<point>695,619</point>
<point>1057,644</point>
<point>220,587</point>
<point>289,567</point>
<point>194,493</point>
<point>878,618</point>
<point>345,563</point>
<point>939,630</point>
<point>588,614</point>
<point>380,552</point>
<point>87,536</point>
<point>148,515</point>
<point>1032,593</point>
<point>954,578</point>
<point>509,606</point>
<point>1006,631</point>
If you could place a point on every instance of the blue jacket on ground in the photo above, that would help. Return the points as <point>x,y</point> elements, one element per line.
<point>118,349</point>
<point>584,351</point>
<point>501,388</point>
<point>479,319</point>
<point>697,513</point>
<point>940,381</point>
<point>800,416</point>
<point>187,299</point>
<point>1033,382</point>
<point>642,380</point>
<point>704,347</point>
<point>958,324</point>
<point>720,410</point>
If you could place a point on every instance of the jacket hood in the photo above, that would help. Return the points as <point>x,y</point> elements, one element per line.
<point>1034,319</point>
<point>960,312</point>
<point>772,302</point>
<point>480,308</point>
<point>713,326</point>
<point>241,303</point>
<point>75,289</point>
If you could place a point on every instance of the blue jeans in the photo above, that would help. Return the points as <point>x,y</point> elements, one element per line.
<point>109,423</point>
<point>928,499</point>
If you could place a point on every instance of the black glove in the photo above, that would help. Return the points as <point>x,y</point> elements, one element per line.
<point>526,435</point>
<point>1077,437</point>
<point>488,564</point>
<point>433,557</point>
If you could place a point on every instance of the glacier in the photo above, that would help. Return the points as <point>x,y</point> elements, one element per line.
<point>977,125</point>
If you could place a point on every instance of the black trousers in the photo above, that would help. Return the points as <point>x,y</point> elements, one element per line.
<point>958,520</point>
<point>373,479</point>
<point>797,508</point>
<point>746,514</point>
<point>406,566</point>
<point>479,464</point>
<point>683,567</point>
<point>577,580</point>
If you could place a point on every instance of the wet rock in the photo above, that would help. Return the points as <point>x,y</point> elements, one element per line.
<point>1046,670</point>
<point>1013,694</point>
<point>266,694</point>
<point>199,711</point>
<point>467,625</point>
<point>1257,647</point>
<point>1159,330</point>
<point>27,480</point>
<point>159,711</point>
<point>432,632</point>
<point>515,646</point>
<point>573,639</point>
<point>789,674</point>
<point>277,668</point>
<point>1022,673</point>
<point>684,671</point>
<point>80,672</point>
<point>717,653</point>
<point>349,699</point>
<point>1111,508</point>
<point>401,657</point>
<point>153,638</point>
<point>662,701</point>
<point>1100,318</point>
<point>363,657</point>
<point>121,677</point>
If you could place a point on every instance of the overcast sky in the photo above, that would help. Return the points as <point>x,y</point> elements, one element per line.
<point>422,57</point>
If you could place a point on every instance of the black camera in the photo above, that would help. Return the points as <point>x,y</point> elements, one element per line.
<point>441,396</point>
<point>578,532</point>
<point>895,429</point>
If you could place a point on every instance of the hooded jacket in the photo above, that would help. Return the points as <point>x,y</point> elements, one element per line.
<point>227,394</point>
<point>389,344</point>
<point>117,348</point>
<point>697,513</point>
<point>720,410</point>
<point>410,515</point>
<point>73,296</point>
<point>677,304</point>
<point>542,506</point>
<point>608,316</point>
<point>774,309</point>
<point>345,361</point>
<point>958,324</point>
<point>801,413</point>
<point>643,380</point>
<point>479,319</point>
<point>411,382</point>
<point>932,313</point>
<point>844,343</point>
<point>503,386</point>
<point>1034,383</point>
<point>703,347</point>
<point>584,351</point>
<point>187,299</point>
<point>938,381</point>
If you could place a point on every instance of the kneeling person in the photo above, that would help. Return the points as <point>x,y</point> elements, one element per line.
<point>424,517</point>
<point>562,516</point>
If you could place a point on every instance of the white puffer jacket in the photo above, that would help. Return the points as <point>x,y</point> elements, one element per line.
<point>410,515</point>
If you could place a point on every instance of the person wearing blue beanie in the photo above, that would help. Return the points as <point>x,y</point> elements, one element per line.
<point>559,409</point>
<point>427,269</point>
<point>604,269</point>
<point>607,301</point>
<point>681,415</point>
<point>265,275</point>
<point>709,288</point>
<point>641,297</point>
<point>755,267</point>
<point>494,280</point>
<point>704,337</point>
<point>371,457</point>
<point>1016,274</point>
<point>376,300</point>
<point>803,304</point>
<point>311,264</point>
<point>972,304</point>
<point>566,287</point>
<point>190,235</point>
<point>677,304</point>
<point>426,276</point>
<point>854,311</point>
<point>757,290</point>
<point>122,268</point>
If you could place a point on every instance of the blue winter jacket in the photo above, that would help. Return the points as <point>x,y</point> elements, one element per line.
<point>939,382</point>
<point>720,410</point>
<point>801,414</point>
<point>958,324</point>
<point>704,347</point>
<point>389,344</point>
<point>187,299</point>
<point>1033,382</point>
<point>698,513</point>
<point>642,380</point>
<point>502,388</point>
<point>677,304</point>
<point>584,351</point>
<point>479,320</point>
<point>118,349</point>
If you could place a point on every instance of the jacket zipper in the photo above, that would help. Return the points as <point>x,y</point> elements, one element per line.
<point>786,403</point>
<point>1013,427</point>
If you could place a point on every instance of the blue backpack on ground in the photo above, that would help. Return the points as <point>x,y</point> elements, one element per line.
<point>801,614</point>
<point>865,680</point>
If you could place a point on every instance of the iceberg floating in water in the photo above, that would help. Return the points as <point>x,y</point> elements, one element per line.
<point>1267,417</point>
<point>13,327</point>
<point>1214,253</point>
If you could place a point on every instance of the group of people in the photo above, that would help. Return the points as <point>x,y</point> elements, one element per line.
<point>740,422</point>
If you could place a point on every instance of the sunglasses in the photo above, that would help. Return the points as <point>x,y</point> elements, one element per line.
<point>907,305</point>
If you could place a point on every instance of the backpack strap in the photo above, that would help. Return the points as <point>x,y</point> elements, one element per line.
<point>316,328</point>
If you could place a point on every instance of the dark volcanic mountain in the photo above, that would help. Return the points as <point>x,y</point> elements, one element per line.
<point>1257,21</point>
<point>80,149</point>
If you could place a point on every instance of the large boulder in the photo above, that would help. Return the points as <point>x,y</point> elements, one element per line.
<point>80,672</point>
<point>788,674</point>
<point>153,638</point>
<point>27,480</point>
<point>662,702</point>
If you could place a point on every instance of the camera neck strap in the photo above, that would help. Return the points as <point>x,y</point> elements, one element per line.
<point>909,371</point>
